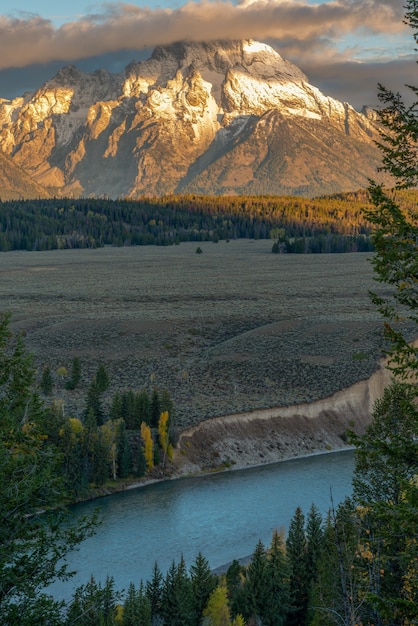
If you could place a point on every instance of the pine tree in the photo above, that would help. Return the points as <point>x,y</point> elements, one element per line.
<point>155,408</point>
<point>385,489</point>
<point>234,578</point>
<point>124,454</point>
<point>131,607</point>
<point>115,411</point>
<point>143,408</point>
<point>203,583</point>
<point>75,374</point>
<point>154,592</point>
<point>177,596</point>
<point>255,592</point>
<point>93,403</point>
<point>277,605</point>
<point>395,235</point>
<point>296,550</point>
<point>32,539</point>
<point>47,382</point>
<point>102,379</point>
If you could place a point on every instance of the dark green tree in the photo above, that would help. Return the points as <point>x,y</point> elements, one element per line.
<point>137,607</point>
<point>177,597</point>
<point>115,411</point>
<point>278,599</point>
<point>75,374</point>
<point>385,489</point>
<point>155,408</point>
<point>395,235</point>
<point>256,588</point>
<point>297,554</point>
<point>336,597</point>
<point>314,537</point>
<point>124,453</point>
<point>32,539</point>
<point>234,578</point>
<point>94,604</point>
<point>47,382</point>
<point>139,463</point>
<point>102,379</point>
<point>143,407</point>
<point>154,592</point>
<point>203,583</point>
<point>94,403</point>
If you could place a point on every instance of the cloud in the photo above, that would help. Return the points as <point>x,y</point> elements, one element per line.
<point>33,39</point>
<point>317,37</point>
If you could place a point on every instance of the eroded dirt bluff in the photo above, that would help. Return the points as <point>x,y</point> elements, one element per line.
<point>266,436</point>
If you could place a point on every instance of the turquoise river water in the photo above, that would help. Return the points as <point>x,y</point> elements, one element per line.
<point>221,515</point>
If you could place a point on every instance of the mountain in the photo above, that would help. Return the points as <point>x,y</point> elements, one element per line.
<point>212,118</point>
<point>16,183</point>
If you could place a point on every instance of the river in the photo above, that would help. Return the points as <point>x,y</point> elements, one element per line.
<point>221,515</point>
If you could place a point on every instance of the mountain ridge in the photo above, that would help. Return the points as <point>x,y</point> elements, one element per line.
<point>212,118</point>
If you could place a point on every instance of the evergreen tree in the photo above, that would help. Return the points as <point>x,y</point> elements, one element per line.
<point>32,539</point>
<point>336,596</point>
<point>116,412</point>
<point>314,536</point>
<point>143,407</point>
<point>386,492</point>
<point>234,578</point>
<point>94,604</point>
<point>75,374</point>
<point>395,235</point>
<point>124,454</point>
<point>47,382</point>
<point>137,607</point>
<point>140,464</point>
<point>102,379</point>
<point>387,456</point>
<point>296,550</point>
<point>177,596</point>
<point>131,607</point>
<point>203,583</point>
<point>93,403</point>
<point>154,592</point>
<point>277,600</point>
<point>256,591</point>
<point>155,408</point>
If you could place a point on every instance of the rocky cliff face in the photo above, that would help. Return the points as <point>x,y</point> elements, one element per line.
<point>218,118</point>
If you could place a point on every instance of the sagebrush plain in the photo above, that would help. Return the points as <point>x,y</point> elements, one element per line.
<point>229,330</point>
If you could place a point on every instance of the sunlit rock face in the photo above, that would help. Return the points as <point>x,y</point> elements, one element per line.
<point>215,118</point>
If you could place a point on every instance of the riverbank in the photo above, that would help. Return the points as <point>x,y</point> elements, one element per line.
<point>261,437</point>
<point>266,436</point>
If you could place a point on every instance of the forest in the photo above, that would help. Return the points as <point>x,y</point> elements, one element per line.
<point>297,225</point>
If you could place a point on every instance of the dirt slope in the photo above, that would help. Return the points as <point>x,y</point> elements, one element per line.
<point>265,436</point>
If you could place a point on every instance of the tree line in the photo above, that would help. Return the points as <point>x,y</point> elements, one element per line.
<point>326,224</point>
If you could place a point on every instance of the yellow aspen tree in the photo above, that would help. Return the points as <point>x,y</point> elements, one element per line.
<point>148,445</point>
<point>166,447</point>
<point>217,611</point>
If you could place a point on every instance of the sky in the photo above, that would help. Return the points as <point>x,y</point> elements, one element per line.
<point>346,47</point>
